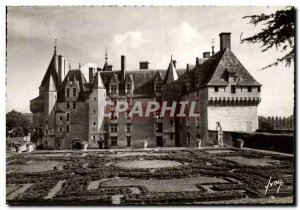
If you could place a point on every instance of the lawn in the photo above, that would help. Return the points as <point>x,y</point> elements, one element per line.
<point>164,176</point>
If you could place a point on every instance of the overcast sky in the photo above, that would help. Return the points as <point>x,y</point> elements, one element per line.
<point>140,33</point>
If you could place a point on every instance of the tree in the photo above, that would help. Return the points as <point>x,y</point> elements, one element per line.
<point>18,124</point>
<point>279,32</point>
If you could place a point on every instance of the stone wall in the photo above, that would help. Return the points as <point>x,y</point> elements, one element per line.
<point>233,118</point>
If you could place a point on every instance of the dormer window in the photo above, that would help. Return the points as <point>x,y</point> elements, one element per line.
<point>249,89</point>
<point>113,88</point>
<point>158,87</point>
<point>128,88</point>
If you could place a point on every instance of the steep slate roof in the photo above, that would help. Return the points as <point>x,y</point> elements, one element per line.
<point>210,73</point>
<point>74,75</point>
<point>230,63</point>
<point>143,80</point>
<point>52,70</point>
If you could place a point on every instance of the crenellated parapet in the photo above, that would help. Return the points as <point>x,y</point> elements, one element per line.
<point>234,101</point>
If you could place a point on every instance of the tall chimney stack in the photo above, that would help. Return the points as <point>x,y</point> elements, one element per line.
<point>91,74</point>
<point>61,67</point>
<point>122,76</point>
<point>225,41</point>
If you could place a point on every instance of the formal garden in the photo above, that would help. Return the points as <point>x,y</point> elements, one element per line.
<point>150,177</point>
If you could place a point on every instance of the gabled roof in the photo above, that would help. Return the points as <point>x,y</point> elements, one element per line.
<point>114,79</point>
<point>158,77</point>
<point>129,78</point>
<point>74,75</point>
<point>52,70</point>
<point>98,83</point>
<point>171,74</point>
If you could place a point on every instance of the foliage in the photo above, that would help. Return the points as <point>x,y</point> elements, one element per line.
<point>276,123</point>
<point>279,32</point>
<point>18,124</point>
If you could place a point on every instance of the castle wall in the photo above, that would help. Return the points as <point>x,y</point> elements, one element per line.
<point>79,122</point>
<point>233,118</point>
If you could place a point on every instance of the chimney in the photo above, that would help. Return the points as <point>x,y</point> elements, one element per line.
<point>174,63</point>
<point>109,67</point>
<point>91,74</point>
<point>206,54</point>
<point>224,41</point>
<point>61,67</point>
<point>144,65</point>
<point>122,76</point>
<point>197,62</point>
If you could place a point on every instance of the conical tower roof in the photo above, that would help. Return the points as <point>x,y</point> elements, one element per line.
<point>98,83</point>
<point>52,70</point>
<point>171,74</point>
<point>50,84</point>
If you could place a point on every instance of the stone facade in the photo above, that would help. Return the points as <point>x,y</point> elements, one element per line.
<point>71,112</point>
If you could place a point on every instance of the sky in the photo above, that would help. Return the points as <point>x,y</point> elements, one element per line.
<point>141,34</point>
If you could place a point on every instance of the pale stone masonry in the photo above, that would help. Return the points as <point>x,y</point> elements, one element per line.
<point>69,111</point>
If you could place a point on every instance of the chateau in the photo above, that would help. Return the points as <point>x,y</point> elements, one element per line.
<point>69,111</point>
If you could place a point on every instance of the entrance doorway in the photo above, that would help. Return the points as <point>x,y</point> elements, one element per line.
<point>159,141</point>
<point>77,146</point>
<point>100,144</point>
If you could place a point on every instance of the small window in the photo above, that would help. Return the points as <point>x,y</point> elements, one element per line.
<point>46,131</point>
<point>258,89</point>
<point>60,129</point>
<point>68,105</point>
<point>94,137</point>
<point>128,128</point>
<point>94,111</point>
<point>113,128</point>
<point>216,89</point>
<point>249,89</point>
<point>74,91</point>
<point>159,127</point>
<point>232,89</point>
<point>60,118</point>
<point>128,141</point>
<point>68,128</point>
<point>46,122</point>
<point>94,123</point>
<point>95,98</point>
<point>128,87</point>
<point>158,87</point>
<point>171,122</point>
<point>113,115</point>
<point>74,105</point>
<point>114,141</point>
<point>68,116</point>
<point>113,88</point>
<point>68,92</point>
<point>241,89</point>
